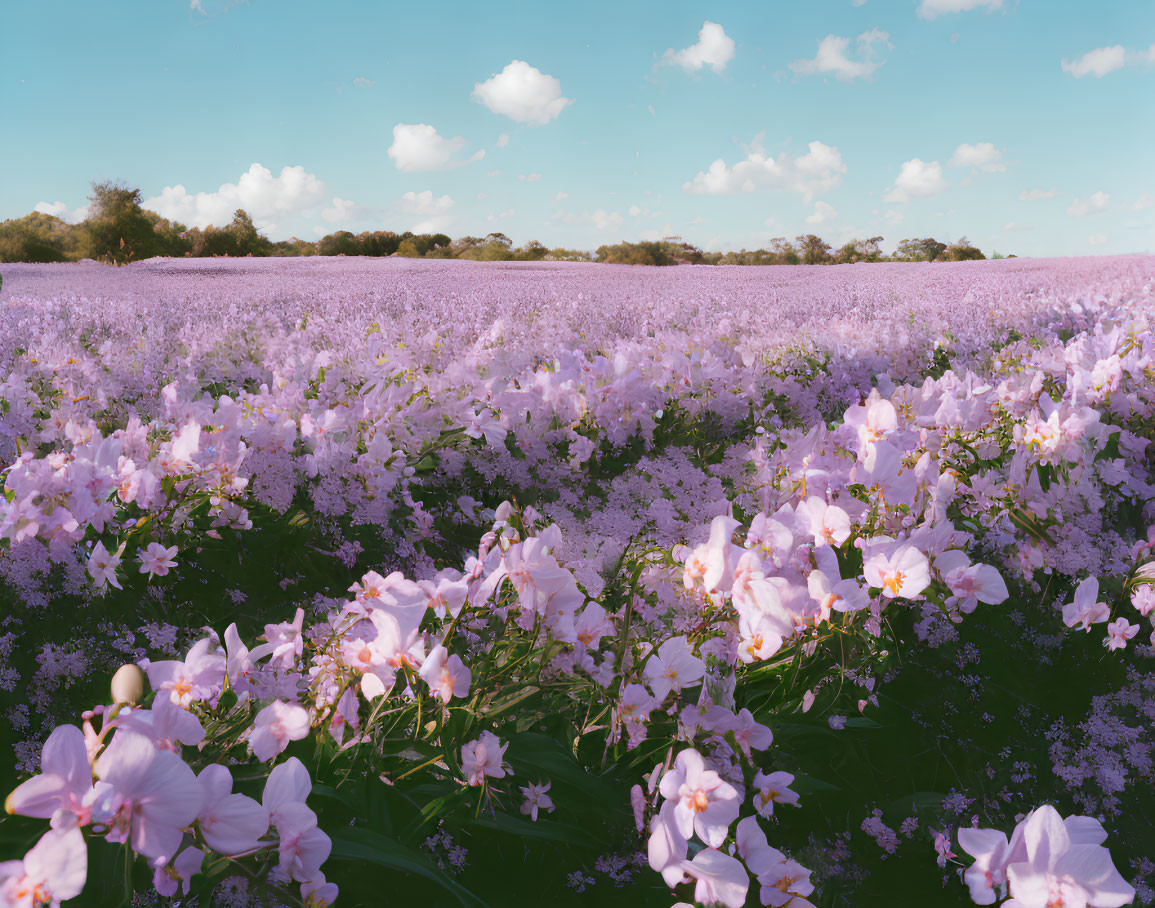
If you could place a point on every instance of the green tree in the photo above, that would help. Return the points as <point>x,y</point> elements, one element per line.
<point>814,250</point>
<point>408,249</point>
<point>119,230</point>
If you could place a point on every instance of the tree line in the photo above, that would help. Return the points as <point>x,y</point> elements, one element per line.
<point>118,230</point>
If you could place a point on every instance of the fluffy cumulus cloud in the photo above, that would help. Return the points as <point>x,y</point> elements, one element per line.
<point>342,213</point>
<point>1096,239</point>
<point>265,197</point>
<point>417,148</point>
<point>1097,201</point>
<point>834,57</point>
<point>916,179</point>
<point>1033,195</point>
<point>600,219</point>
<point>432,211</point>
<point>819,170</point>
<point>983,156</point>
<point>363,82</point>
<point>714,49</point>
<point>523,93</point>
<point>1097,62</point>
<point>62,211</point>
<point>823,213</point>
<point>932,9</point>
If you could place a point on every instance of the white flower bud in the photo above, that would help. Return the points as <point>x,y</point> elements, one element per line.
<point>127,684</point>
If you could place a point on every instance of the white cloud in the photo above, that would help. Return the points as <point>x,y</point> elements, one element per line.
<point>822,213</point>
<point>1143,202</point>
<point>529,177</point>
<point>432,210</point>
<point>197,7</point>
<point>1011,226</point>
<point>362,82</point>
<point>1035,194</point>
<point>819,170</point>
<point>983,156</point>
<point>894,217</point>
<point>600,219</point>
<point>1097,62</point>
<point>1097,201</point>
<point>502,215</point>
<point>502,140</point>
<point>832,56</point>
<point>417,147</point>
<point>917,179</point>
<point>344,212</point>
<point>523,93</point>
<point>931,9</point>
<point>714,49</point>
<point>561,196</point>
<point>62,211</point>
<point>1096,239</point>
<point>857,2</point>
<point>265,197</point>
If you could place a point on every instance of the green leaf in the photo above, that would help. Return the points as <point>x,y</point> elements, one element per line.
<point>361,845</point>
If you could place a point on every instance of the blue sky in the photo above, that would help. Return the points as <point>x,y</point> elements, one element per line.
<point>1027,125</point>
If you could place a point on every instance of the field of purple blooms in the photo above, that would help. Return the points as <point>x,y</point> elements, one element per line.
<point>566,584</point>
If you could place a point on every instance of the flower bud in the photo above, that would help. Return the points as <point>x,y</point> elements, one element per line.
<point>127,684</point>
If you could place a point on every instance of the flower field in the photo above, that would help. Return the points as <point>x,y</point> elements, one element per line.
<point>444,583</point>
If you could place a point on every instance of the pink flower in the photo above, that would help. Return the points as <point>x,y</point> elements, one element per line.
<point>971,583</point>
<point>942,846</point>
<point>713,563</point>
<point>1058,871</point>
<point>200,676</point>
<point>102,565</point>
<point>1119,632</point>
<point>673,667</point>
<point>1085,609</point>
<point>705,804</point>
<point>154,795</point>
<point>167,725</point>
<point>827,524</point>
<point>65,780</point>
<point>989,849</point>
<point>230,823</point>
<point>773,788</point>
<point>302,846</point>
<point>536,799</point>
<point>592,625</point>
<point>156,559</point>
<point>283,642</point>
<point>54,870</point>
<point>1144,599</point>
<point>276,725</point>
<point>446,675</point>
<point>783,880</point>
<point>667,847</point>
<point>721,879</point>
<point>168,877</point>
<point>482,757</point>
<point>904,573</point>
<point>317,893</point>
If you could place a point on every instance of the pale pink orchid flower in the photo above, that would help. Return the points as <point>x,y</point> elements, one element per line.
<point>302,846</point>
<point>154,795</point>
<point>445,674</point>
<point>593,624</point>
<point>483,757</point>
<point>288,783</point>
<point>1144,599</point>
<point>284,643</point>
<point>232,824</point>
<point>673,667</point>
<point>536,798</point>
<point>773,788</point>
<point>874,420</point>
<point>704,803</point>
<point>826,524</point>
<point>275,726</point>
<point>904,573</point>
<point>720,879</point>
<point>65,780</point>
<point>749,734</point>
<point>168,877</point>
<point>102,566</point>
<point>667,848</point>
<point>54,870</point>
<point>317,893</point>
<point>1058,871</point>
<point>989,849</point>
<point>1086,609</point>
<point>971,583</point>
<point>713,562</point>
<point>156,559</point>
<point>1119,632</point>
<point>200,676</point>
<point>167,725</point>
